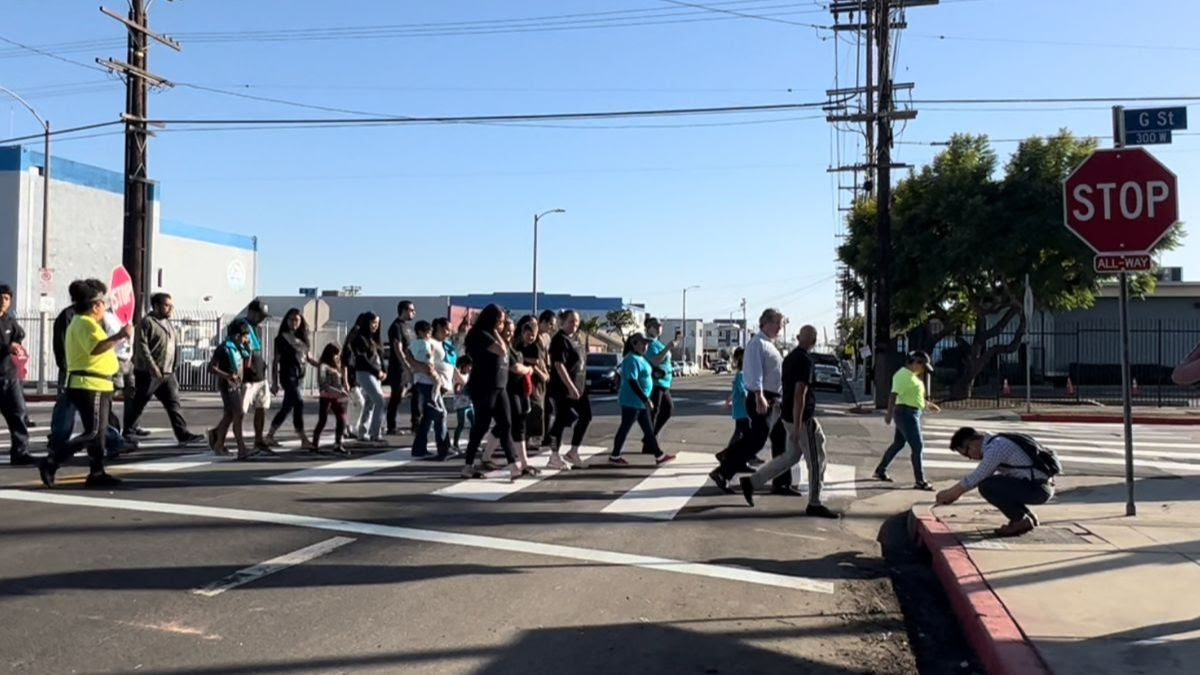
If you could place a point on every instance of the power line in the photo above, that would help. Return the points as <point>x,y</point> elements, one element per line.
<point>1057,43</point>
<point>1076,99</point>
<point>745,15</point>
<point>59,132</point>
<point>51,55</point>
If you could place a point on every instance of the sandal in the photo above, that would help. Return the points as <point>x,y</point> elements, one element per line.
<point>471,473</point>
<point>530,471</point>
<point>923,485</point>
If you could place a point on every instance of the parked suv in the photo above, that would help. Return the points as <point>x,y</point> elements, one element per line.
<point>602,372</point>
<point>827,372</point>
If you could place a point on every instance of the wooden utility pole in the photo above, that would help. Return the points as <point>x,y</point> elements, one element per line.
<point>138,79</point>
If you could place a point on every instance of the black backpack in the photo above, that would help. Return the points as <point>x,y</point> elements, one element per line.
<point>1044,459</point>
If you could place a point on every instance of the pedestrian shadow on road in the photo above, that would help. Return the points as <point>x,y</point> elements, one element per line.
<point>1155,489</point>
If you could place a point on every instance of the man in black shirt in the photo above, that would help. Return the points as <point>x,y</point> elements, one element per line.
<point>12,398</point>
<point>804,435</point>
<point>542,405</point>
<point>399,373</point>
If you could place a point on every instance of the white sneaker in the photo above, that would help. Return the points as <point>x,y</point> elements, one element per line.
<point>556,463</point>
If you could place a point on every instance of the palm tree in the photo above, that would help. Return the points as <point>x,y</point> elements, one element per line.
<point>589,327</point>
<point>620,320</point>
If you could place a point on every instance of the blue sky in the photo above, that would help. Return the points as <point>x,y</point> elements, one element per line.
<point>742,210</point>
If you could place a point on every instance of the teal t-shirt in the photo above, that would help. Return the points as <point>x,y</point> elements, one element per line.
<point>635,368</point>
<point>738,397</point>
<point>656,346</point>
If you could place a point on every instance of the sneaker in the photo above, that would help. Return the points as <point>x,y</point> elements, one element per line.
<point>664,459</point>
<point>881,476</point>
<point>47,469</point>
<point>556,463</point>
<point>923,485</point>
<point>138,431</point>
<point>102,480</point>
<point>747,486</point>
<point>192,439</point>
<point>618,461</point>
<point>23,459</point>
<point>720,481</point>
<point>820,511</point>
<point>210,437</point>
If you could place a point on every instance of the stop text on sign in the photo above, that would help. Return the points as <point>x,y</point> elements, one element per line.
<point>121,296</point>
<point>1134,200</point>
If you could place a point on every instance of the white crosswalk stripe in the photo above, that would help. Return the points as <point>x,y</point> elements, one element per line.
<point>496,485</point>
<point>661,495</point>
<point>346,469</point>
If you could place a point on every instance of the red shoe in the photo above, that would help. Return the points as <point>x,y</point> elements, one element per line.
<point>664,459</point>
<point>618,461</point>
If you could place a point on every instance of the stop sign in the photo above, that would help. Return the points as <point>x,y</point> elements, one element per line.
<point>120,295</point>
<point>1120,200</point>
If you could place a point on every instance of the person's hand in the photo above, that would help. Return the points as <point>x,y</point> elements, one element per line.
<point>760,404</point>
<point>794,437</point>
<point>155,373</point>
<point>887,419</point>
<point>574,394</point>
<point>382,376</point>
<point>726,404</point>
<point>650,406</point>
<point>126,331</point>
<point>945,497</point>
<point>14,349</point>
<point>933,407</point>
<point>234,380</point>
<point>275,390</point>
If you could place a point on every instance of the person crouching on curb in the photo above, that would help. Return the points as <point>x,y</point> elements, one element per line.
<point>1010,476</point>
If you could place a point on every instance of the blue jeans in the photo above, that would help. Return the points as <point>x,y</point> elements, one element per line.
<point>642,417</point>
<point>373,406</point>
<point>908,430</point>
<point>432,417</point>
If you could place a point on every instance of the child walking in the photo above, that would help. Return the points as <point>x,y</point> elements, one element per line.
<point>463,408</point>
<point>335,392</point>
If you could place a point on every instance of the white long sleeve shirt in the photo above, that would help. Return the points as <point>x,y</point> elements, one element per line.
<point>1003,458</point>
<point>762,366</point>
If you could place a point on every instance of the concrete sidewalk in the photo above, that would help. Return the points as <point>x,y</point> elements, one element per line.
<point>1090,591</point>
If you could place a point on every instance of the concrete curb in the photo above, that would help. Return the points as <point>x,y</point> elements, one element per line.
<point>992,632</point>
<point>1111,419</point>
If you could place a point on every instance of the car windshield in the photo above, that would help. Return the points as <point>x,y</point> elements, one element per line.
<point>602,360</point>
<point>825,359</point>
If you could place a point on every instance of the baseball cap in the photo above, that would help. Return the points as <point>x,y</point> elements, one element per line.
<point>259,306</point>
<point>921,358</point>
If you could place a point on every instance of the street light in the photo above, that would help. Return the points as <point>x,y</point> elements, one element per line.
<point>44,343</point>
<point>536,219</point>
<point>683,322</point>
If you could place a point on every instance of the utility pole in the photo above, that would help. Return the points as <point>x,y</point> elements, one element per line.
<point>745,328</point>
<point>683,324</point>
<point>876,111</point>
<point>138,78</point>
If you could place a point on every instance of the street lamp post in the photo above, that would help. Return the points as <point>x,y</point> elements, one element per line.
<point>536,219</point>
<point>683,322</point>
<point>43,342</point>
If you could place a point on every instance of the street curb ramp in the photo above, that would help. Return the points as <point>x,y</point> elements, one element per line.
<point>999,643</point>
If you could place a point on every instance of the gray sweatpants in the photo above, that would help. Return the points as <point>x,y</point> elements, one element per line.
<point>811,447</point>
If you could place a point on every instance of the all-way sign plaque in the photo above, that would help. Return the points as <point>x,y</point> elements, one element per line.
<point>1119,262</point>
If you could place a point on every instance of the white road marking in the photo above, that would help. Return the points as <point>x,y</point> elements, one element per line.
<point>262,569</point>
<point>173,463</point>
<point>663,493</point>
<point>1106,461</point>
<point>346,469</point>
<point>1092,446</point>
<point>604,399</point>
<point>1052,440</point>
<point>432,536</point>
<point>789,534</point>
<point>497,485</point>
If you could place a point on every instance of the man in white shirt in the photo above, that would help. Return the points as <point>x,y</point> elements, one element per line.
<point>762,370</point>
<point>123,380</point>
<point>1006,477</point>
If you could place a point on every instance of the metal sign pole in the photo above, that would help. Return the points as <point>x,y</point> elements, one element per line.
<point>1028,346</point>
<point>1127,403</point>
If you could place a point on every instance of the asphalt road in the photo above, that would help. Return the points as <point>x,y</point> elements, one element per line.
<point>386,565</point>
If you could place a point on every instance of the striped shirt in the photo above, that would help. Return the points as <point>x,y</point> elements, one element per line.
<point>1003,458</point>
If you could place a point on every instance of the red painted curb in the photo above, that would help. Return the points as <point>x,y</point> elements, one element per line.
<point>1108,419</point>
<point>992,632</point>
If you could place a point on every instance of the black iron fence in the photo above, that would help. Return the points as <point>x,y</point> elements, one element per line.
<point>1079,363</point>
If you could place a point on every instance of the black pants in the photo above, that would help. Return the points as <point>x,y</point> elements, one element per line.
<point>535,425</point>
<point>94,408</point>
<point>778,440</point>
<point>547,413</point>
<point>568,412</point>
<point>628,417</point>
<point>293,402</point>
<point>12,405</point>
<point>338,409</point>
<point>663,409</point>
<point>491,408</point>
<point>166,391</point>
<point>1013,495</point>
<point>399,391</point>
<point>758,431</point>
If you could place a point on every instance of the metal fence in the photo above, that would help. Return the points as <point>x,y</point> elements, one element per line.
<point>1081,363</point>
<point>196,339</point>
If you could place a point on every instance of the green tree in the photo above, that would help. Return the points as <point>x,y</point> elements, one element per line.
<point>964,239</point>
<point>620,321</point>
<point>589,327</point>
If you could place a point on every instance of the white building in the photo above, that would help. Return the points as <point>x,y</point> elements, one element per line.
<point>692,342</point>
<point>722,336</point>
<point>205,270</point>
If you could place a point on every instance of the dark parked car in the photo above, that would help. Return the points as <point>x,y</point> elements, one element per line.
<point>602,372</point>
<point>827,372</point>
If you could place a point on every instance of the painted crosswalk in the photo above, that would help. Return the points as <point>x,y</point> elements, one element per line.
<point>663,493</point>
<point>1172,450</point>
<point>496,485</point>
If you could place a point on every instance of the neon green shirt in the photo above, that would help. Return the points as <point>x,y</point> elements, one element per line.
<point>909,389</point>
<point>83,334</point>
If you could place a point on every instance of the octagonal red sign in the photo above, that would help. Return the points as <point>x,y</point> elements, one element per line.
<point>1121,200</point>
